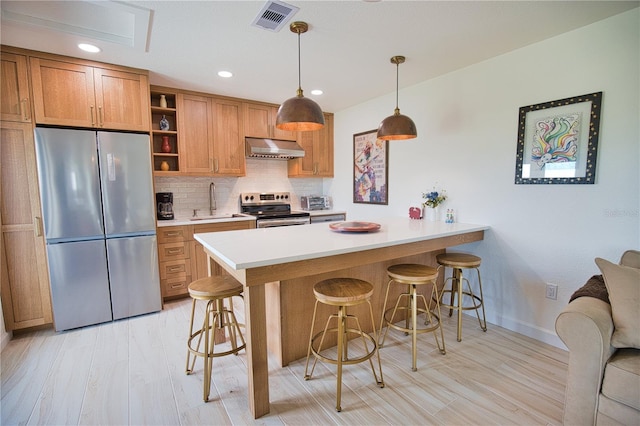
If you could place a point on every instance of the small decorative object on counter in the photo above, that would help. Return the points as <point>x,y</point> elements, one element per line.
<point>166,147</point>
<point>164,166</point>
<point>415,213</point>
<point>163,101</point>
<point>432,201</point>
<point>164,123</point>
<point>449,218</point>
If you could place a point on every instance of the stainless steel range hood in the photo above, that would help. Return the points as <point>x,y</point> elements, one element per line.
<point>272,148</point>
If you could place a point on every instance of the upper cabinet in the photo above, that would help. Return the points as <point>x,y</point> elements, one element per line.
<point>260,122</point>
<point>195,134</point>
<point>14,102</point>
<point>228,138</point>
<point>210,136</point>
<point>318,148</point>
<point>80,95</point>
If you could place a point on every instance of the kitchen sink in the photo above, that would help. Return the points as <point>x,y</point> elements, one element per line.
<point>218,217</point>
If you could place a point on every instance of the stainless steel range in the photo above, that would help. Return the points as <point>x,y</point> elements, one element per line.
<point>272,209</point>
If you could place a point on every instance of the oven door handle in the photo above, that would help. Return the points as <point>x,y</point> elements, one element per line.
<point>271,223</point>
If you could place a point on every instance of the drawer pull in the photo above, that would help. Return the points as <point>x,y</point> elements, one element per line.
<point>175,251</point>
<point>177,285</point>
<point>176,268</point>
<point>173,233</point>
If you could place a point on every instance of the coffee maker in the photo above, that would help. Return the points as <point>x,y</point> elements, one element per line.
<point>164,205</point>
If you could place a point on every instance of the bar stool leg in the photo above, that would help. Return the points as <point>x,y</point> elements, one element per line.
<point>187,369</point>
<point>483,323</point>
<point>458,274</point>
<point>342,349</point>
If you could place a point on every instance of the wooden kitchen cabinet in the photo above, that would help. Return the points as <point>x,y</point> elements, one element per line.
<point>174,256</point>
<point>318,148</point>
<point>260,122</point>
<point>228,138</point>
<point>77,93</point>
<point>25,292</point>
<point>195,134</point>
<point>14,102</point>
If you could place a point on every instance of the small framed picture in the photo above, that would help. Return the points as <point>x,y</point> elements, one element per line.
<point>370,168</point>
<point>558,141</point>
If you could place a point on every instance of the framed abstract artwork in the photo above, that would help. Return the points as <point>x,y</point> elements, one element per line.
<point>558,141</point>
<point>370,168</point>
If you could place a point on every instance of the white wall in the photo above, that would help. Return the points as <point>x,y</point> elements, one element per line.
<point>467,123</point>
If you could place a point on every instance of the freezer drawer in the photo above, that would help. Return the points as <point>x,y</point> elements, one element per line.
<point>79,284</point>
<point>134,276</point>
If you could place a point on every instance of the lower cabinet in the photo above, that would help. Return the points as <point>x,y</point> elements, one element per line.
<point>183,260</point>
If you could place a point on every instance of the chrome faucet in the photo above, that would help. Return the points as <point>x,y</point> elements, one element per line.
<point>212,198</point>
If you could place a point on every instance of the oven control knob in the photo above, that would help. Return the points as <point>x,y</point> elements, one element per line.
<point>285,196</point>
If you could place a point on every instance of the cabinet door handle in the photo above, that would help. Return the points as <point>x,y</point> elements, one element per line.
<point>24,109</point>
<point>100,117</point>
<point>93,121</point>
<point>215,165</point>
<point>38,226</point>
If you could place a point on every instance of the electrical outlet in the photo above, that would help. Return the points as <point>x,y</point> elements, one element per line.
<point>552,291</point>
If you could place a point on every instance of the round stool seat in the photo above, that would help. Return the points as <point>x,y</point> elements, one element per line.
<point>411,273</point>
<point>458,260</point>
<point>219,287</point>
<point>342,291</point>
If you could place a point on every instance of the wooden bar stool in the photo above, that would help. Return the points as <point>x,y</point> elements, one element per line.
<point>218,318</point>
<point>413,275</point>
<point>459,262</point>
<point>343,292</point>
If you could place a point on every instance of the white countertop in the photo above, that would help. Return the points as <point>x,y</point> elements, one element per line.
<point>252,248</point>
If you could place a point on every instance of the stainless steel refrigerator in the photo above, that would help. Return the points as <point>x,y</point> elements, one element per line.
<point>99,222</point>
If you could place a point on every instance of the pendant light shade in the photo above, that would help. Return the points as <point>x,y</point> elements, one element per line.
<point>299,114</point>
<point>397,126</point>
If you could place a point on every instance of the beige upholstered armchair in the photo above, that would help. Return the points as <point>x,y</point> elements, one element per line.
<point>603,337</point>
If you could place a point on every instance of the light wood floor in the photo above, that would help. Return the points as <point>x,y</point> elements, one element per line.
<point>132,372</point>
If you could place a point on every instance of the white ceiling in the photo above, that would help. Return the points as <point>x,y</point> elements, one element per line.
<point>346,52</point>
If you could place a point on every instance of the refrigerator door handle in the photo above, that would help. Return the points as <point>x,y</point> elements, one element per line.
<point>38,226</point>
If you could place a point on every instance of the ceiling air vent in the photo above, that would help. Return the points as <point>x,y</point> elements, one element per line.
<point>274,15</point>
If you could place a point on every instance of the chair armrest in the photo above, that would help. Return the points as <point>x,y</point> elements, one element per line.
<point>585,325</point>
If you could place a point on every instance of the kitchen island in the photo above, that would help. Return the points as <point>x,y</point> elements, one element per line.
<point>280,265</point>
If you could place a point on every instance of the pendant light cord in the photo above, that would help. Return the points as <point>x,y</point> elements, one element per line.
<point>397,84</point>
<point>299,73</point>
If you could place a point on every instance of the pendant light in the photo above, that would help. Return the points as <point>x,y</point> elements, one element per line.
<point>299,114</point>
<point>397,126</point>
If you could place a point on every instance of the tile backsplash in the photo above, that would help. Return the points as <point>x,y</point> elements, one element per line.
<point>263,175</point>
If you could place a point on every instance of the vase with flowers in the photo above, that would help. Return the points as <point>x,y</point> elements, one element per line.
<point>431,203</point>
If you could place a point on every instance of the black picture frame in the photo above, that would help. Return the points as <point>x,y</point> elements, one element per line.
<point>370,168</point>
<point>558,141</point>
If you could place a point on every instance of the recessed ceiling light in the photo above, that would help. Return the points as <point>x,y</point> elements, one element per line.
<point>89,48</point>
<point>225,74</point>
<point>316,92</point>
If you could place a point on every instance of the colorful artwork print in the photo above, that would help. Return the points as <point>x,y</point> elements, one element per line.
<point>370,168</point>
<point>556,140</point>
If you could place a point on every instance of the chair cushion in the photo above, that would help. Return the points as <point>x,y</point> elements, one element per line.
<point>621,381</point>
<point>623,286</point>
